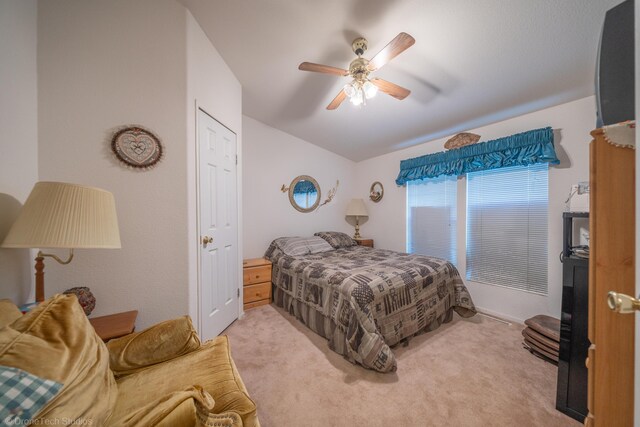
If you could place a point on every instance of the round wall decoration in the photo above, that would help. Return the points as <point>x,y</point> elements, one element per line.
<point>376,192</point>
<point>137,147</point>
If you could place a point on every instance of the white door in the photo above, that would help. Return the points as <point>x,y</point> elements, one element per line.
<point>219,288</point>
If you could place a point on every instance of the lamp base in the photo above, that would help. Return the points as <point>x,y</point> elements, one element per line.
<point>40,271</point>
<point>357,233</point>
<point>39,278</point>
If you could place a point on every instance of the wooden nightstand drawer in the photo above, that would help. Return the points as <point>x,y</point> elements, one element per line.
<point>256,304</point>
<point>257,282</point>
<point>365,242</point>
<point>259,274</point>
<point>257,292</point>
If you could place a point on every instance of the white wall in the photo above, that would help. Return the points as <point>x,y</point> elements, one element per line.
<point>18,136</point>
<point>387,219</point>
<point>108,64</point>
<point>102,65</point>
<point>211,86</point>
<point>272,158</point>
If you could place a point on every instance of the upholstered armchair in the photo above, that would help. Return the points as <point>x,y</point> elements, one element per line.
<point>163,375</point>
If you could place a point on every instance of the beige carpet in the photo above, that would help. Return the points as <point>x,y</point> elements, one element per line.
<point>470,372</point>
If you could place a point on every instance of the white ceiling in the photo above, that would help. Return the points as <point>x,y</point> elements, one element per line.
<point>474,63</point>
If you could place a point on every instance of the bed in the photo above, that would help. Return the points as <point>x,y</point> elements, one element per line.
<point>364,300</point>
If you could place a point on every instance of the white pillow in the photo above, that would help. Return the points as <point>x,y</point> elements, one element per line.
<point>318,244</point>
<point>298,246</point>
<point>293,246</point>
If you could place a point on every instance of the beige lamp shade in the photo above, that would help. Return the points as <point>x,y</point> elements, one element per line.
<point>356,207</point>
<point>61,215</point>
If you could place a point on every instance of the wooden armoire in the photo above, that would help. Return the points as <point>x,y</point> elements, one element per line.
<point>610,359</point>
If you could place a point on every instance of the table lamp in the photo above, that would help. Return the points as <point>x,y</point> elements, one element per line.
<point>357,209</point>
<point>61,215</point>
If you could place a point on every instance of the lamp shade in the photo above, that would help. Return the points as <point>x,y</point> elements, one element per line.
<point>61,215</point>
<point>356,207</point>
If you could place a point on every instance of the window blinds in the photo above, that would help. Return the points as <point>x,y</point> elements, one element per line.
<point>431,217</point>
<point>507,227</point>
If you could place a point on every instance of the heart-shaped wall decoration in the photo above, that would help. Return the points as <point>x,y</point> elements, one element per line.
<point>137,147</point>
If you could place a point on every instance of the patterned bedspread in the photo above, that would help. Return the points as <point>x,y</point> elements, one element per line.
<point>365,300</point>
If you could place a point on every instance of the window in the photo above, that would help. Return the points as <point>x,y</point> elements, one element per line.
<point>507,227</point>
<point>305,200</point>
<point>431,217</point>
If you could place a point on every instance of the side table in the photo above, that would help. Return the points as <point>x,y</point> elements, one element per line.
<point>115,325</point>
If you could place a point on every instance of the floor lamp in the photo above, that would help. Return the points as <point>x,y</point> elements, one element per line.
<point>68,216</point>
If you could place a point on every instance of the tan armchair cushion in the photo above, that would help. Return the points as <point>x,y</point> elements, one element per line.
<point>177,408</point>
<point>56,341</point>
<point>210,367</point>
<point>8,312</point>
<point>158,343</point>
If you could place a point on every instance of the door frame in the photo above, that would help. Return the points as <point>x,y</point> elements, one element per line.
<point>636,394</point>
<point>198,247</point>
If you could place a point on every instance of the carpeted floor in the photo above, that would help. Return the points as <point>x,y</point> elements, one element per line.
<point>470,372</point>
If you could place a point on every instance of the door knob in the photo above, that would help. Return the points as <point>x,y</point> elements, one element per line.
<point>621,303</point>
<point>206,240</point>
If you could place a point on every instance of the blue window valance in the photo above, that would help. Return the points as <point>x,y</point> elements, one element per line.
<point>522,149</point>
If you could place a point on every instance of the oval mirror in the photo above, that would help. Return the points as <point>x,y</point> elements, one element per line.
<point>376,191</point>
<point>304,193</point>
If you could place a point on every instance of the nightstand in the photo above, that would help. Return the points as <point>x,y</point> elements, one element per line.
<point>256,282</point>
<point>115,325</point>
<point>365,242</point>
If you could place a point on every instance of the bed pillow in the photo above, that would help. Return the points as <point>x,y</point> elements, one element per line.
<point>336,239</point>
<point>318,244</point>
<point>293,246</point>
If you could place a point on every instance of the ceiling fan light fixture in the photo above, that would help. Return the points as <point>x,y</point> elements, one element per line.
<point>358,98</point>
<point>370,90</point>
<point>349,90</point>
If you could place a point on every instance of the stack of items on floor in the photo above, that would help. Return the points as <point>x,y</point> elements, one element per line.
<point>542,337</point>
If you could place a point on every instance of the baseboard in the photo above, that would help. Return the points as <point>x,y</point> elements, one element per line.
<point>499,316</point>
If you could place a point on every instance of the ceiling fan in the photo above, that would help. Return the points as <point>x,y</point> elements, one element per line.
<point>361,87</point>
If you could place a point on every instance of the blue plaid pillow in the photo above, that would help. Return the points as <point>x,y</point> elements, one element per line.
<point>23,395</point>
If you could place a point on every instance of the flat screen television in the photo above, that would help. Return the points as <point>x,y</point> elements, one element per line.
<point>615,69</point>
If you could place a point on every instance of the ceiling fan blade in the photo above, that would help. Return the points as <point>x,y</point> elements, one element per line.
<point>319,68</point>
<point>399,44</point>
<point>337,100</point>
<point>392,89</point>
